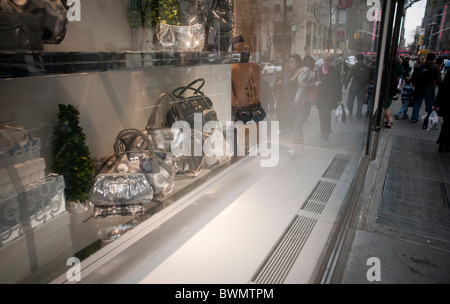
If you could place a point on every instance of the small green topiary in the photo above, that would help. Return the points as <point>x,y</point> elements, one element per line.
<point>71,155</point>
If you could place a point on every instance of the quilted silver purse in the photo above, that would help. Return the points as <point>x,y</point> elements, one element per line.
<point>178,38</point>
<point>134,153</point>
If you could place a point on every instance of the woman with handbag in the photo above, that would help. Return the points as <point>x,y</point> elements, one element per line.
<point>329,93</point>
<point>442,106</point>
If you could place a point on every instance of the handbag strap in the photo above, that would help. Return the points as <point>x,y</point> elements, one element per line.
<point>183,89</point>
<point>135,134</point>
<point>7,115</point>
<point>148,146</point>
<point>5,6</point>
<point>152,118</point>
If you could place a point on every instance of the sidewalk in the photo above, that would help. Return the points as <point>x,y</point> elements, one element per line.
<point>404,220</point>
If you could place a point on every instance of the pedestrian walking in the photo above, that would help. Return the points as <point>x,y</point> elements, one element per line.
<point>442,105</point>
<point>284,90</point>
<point>329,93</point>
<point>359,76</point>
<point>407,94</point>
<point>300,107</point>
<point>425,78</point>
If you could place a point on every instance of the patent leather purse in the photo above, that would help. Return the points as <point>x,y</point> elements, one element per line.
<point>185,107</point>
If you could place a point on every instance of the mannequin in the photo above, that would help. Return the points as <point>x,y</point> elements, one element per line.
<point>245,82</point>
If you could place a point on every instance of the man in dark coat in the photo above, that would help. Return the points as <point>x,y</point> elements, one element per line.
<point>359,75</point>
<point>329,93</point>
<point>425,78</point>
<point>442,103</point>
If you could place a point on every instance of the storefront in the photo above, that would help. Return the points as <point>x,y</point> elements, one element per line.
<point>94,168</point>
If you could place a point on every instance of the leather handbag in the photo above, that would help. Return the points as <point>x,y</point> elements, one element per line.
<point>220,24</point>
<point>51,17</point>
<point>252,112</point>
<point>134,153</point>
<point>178,38</point>
<point>19,31</point>
<point>164,137</point>
<point>184,108</point>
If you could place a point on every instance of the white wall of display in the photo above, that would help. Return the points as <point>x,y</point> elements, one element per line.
<point>108,101</point>
<point>103,27</point>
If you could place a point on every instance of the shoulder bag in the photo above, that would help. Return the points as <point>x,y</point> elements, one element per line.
<point>184,107</point>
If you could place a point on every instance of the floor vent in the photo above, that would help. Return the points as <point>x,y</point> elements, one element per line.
<point>278,263</point>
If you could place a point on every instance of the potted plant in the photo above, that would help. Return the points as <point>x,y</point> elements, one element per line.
<point>144,15</point>
<point>72,157</point>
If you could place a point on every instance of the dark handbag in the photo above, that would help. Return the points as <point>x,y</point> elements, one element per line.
<point>19,31</point>
<point>163,139</point>
<point>220,23</point>
<point>184,108</point>
<point>252,112</point>
<point>134,153</point>
<point>51,17</point>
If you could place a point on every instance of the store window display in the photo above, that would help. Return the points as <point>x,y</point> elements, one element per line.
<point>121,77</point>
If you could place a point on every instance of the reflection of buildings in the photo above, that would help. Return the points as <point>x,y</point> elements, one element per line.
<point>308,27</point>
<point>436,24</point>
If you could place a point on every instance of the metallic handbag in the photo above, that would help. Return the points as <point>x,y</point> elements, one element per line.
<point>120,189</point>
<point>134,153</point>
<point>178,38</point>
<point>164,138</point>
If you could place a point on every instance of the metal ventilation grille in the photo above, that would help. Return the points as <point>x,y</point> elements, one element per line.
<point>336,168</point>
<point>278,263</point>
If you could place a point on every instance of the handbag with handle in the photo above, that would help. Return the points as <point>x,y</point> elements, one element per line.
<point>252,112</point>
<point>19,31</point>
<point>134,153</point>
<point>11,133</point>
<point>51,16</point>
<point>164,138</point>
<point>220,24</point>
<point>184,108</point>
<point>179,38</point>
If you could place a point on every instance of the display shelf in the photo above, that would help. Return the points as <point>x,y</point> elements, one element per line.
<point>110,228</point>
<point>26,64</point>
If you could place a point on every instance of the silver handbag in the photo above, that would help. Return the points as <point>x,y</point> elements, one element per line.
<point>120,189</point>
<point>178,38</point>
<point>134,153</point>
<point>163,138</point>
